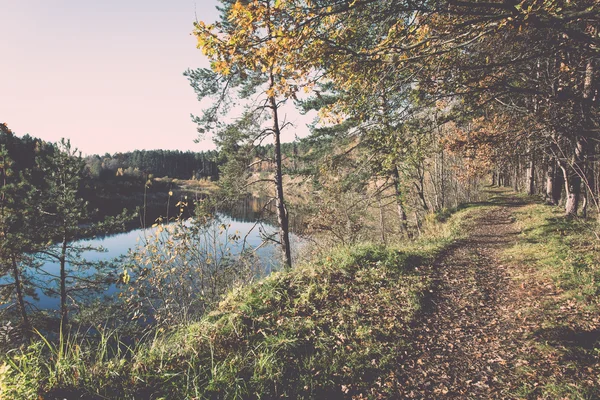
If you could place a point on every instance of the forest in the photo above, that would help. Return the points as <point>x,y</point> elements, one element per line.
<point>436,235</point>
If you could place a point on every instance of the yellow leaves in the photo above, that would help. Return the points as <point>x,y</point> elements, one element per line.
<point>237,7</point>
<point>331,114</point>
<point>422,31</point>
<point>257,41</point>
<point>221,67</point>
<point>125,278</point>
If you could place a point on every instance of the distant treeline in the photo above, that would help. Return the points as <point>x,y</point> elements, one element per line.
<point>184,165</point>
<point>159,163</point>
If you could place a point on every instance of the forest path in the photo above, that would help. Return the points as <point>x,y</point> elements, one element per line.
<point>467,341</point>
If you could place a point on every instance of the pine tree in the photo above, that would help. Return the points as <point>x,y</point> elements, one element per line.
<point>67,218</point>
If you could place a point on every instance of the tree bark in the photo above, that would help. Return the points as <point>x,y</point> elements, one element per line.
<point>443,184</point>
<point>421,194</point>
<point>531,177</point>
<point>554,182</point>
<point>20,297</point>
<point>573,186</point>
<point>64,313</point>
<point>381,218</point>
<point>282,214</point>
<point>572,176</point>
<point>400,206</point>
<point>516,175</point>
<point>550,177</point>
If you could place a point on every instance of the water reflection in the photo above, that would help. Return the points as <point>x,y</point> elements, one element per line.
<point>247,218</point>
<point>252,209</point>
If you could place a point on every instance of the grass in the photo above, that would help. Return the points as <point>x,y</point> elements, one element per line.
<point>329,328</point>
<point>559,261</point>
<point>561,250</point>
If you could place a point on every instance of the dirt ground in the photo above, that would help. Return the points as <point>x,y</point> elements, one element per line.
<point>473,340</point>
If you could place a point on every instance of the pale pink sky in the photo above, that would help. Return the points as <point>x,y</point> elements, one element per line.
<point>105,73</point>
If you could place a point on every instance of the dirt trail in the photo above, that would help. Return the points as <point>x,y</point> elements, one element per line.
<point>466,340</point>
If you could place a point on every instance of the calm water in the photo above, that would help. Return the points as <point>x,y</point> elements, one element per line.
<point>241,220</point>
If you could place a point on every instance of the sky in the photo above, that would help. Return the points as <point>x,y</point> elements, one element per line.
<point>106,74</point>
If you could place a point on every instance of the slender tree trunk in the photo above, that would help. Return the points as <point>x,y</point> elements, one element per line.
<point>400,206</point>
<point>550,176</point>
<point>64,313</point>
<point>574,180</point>
<point>573,195</point>
<point>20,297</point>
<point>588,123</point>
<point>516,175</point>
<point>443,179</point>
<point>282,214</point>
<point>434,182</point>
<point>421,187</point>
<point>531,177</point>
<point>417,223</point>
<point>381,219</point>
<point>421,195</point>
<point>554,183</point>
<point>585,204</point>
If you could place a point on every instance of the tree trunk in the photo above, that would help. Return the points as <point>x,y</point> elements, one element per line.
<point>588,125</point>
<point>550,177</point>
<point>421,194</point>
<point>64,313</point>
<point>381,219</point>
<point>398,194</point>
<point>531,177</point>
<point>573,186</point>
<point>516,175</point>
<point>20,297</point>
<point>554,182</point>
<point>417,223</point>
<point>443,185</point>
<point>282,214</point>
<point>585,204</point>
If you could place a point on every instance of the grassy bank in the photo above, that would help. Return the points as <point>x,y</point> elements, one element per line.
<point>561,251</point>
<point>333,327</point>
<point>556,265</point>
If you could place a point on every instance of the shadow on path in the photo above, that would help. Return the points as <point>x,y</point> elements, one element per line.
<point>462,342</point>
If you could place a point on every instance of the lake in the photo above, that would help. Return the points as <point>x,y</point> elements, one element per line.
<point>240,220</point>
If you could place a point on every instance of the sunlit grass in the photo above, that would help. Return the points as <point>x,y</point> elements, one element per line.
<point>563,251</point>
